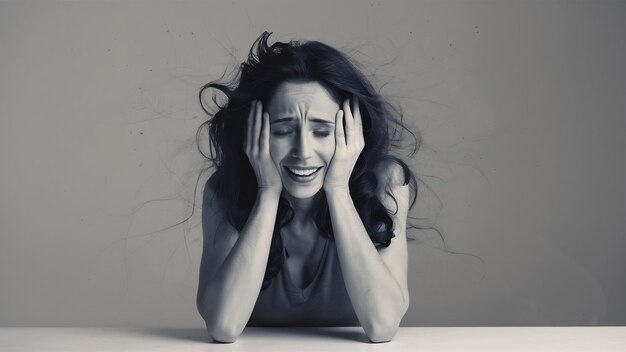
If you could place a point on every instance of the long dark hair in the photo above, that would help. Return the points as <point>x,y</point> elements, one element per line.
<point>234,181</point>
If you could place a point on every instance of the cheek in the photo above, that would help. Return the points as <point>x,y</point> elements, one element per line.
<point>278,149</point>
<point>328,149</point>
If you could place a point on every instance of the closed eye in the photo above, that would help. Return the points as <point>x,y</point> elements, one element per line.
<point>322,133</point>
<point>282,132</point>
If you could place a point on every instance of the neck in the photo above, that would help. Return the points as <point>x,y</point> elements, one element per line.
<point>303,208</point>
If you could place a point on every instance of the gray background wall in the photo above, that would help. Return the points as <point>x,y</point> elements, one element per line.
<point>521,106</point>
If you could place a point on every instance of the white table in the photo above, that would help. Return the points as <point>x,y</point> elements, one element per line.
<point>317,339</point>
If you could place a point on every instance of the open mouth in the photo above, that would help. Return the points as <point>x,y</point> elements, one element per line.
<point>302,174</point>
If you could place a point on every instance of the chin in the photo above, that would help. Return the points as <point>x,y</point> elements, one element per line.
<point>302,192</point>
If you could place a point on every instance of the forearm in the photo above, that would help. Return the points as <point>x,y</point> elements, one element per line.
<point>378,299</point>
<point>231,294</point>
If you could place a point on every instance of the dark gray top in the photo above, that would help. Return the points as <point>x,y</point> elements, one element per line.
<point>324,302</point>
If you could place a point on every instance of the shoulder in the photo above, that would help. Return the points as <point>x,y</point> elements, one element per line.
<point>393,188</point>
<point>391,173</point>
<point>210,198</point>
<point>214,212</point>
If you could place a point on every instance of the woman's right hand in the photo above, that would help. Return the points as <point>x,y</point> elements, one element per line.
<point>257,148</point>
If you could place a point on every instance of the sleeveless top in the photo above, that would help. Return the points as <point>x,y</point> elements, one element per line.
<point>324,302</point>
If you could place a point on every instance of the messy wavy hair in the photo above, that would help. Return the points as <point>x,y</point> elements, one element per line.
<point>234,182</point>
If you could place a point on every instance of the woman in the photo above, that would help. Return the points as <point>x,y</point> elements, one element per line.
<point>304,219</point>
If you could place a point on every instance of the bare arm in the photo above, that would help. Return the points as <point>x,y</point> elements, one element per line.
<point>233,264</point>
<point>376,280</point>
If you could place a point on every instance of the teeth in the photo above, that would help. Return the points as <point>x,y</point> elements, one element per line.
<point>303,172</point>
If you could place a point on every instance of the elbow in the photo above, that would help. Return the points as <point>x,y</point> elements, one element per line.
<point>382,329</point>
<point>219,331</point>
<point>382,333</point>
<point>385,327</point>
<point>224,330</point>
<point>224,334</point>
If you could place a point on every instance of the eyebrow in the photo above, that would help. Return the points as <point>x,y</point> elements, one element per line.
<point>314,119</point>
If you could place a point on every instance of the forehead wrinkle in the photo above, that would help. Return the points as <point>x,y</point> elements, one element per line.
<point>299,101</point>
<point>296,104</point>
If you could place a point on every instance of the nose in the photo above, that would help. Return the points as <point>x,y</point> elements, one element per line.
<point>302,148</point>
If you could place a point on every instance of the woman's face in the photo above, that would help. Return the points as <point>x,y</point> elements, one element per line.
<point>302,135</point>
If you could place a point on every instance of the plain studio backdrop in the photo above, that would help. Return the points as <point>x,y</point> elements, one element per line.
<point>521,106</point>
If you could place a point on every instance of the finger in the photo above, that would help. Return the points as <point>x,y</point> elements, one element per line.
<point>257,125</point>
<point>265,133</point>
<point>249,125</point>
<point>340,138</point>
<point>348,121</point>
<point>358,122</point>
<point>347,111</point>
<point>356,113</point>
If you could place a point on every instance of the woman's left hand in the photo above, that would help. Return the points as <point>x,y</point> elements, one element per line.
<point>349,143</point>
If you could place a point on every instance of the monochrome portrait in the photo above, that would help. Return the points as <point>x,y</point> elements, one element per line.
<point>229,168</point>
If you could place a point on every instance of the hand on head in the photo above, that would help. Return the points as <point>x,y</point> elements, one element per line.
<point>256,147</point>
<point>349,143</point>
